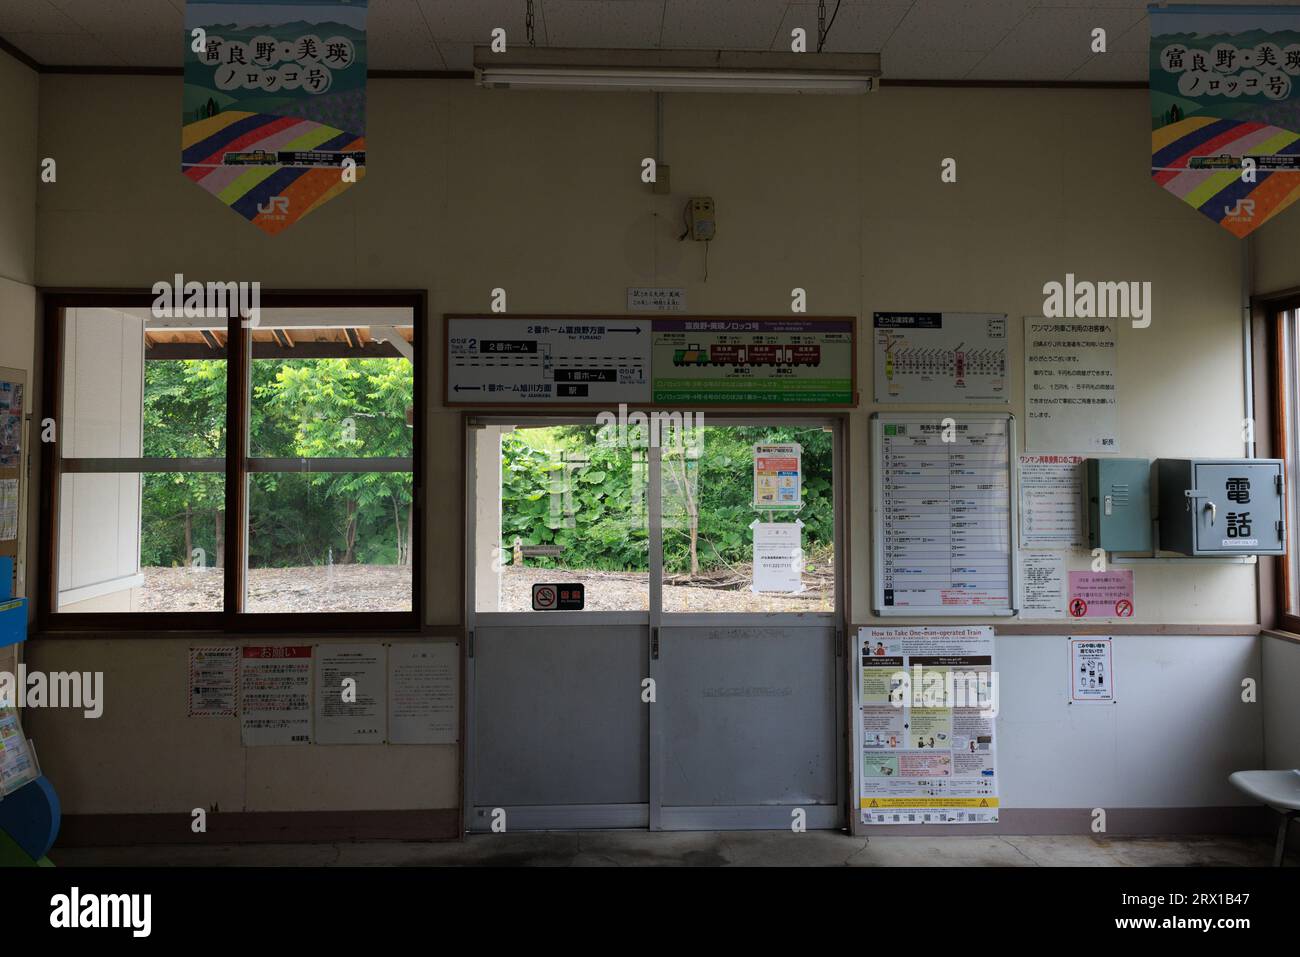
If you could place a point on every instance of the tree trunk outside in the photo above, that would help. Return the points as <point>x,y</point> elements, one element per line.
<point>189,536</point>
<point>221,538</point>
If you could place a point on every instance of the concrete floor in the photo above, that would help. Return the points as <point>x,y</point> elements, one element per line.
<point>704,849</point>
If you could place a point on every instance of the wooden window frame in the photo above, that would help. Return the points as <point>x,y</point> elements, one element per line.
<point>230,620</point>
<point>1269,322</point>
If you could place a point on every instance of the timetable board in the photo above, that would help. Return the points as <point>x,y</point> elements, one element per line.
<point>535,360</point>
<point>941,357</point>
<point>942,518</point>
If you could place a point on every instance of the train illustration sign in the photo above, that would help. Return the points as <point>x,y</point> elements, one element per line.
<point>743,361</point>
<point>274,108</point>
<point>1225,96</point>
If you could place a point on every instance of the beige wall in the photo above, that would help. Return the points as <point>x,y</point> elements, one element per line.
<point>539,193</point>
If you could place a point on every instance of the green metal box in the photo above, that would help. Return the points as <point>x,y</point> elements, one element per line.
<point>1119,504</point>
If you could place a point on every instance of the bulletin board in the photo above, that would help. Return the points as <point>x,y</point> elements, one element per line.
<point>943,523</point>
<point>13,460</point>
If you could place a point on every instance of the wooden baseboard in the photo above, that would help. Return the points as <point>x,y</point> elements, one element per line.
<point>260,827</point>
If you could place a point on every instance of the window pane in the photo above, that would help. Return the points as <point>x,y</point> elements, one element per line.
<point>331,391</point>
<point>329,542</point>
<point>709,516</point>
<point>141,542</point>
<point>560,505</point>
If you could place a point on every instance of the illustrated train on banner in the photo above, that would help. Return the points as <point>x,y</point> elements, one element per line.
<point>1225,110</point>
<point>275,104</point>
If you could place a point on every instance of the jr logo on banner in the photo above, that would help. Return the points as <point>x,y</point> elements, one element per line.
<point>1225,110</point>
<point>275,104</point>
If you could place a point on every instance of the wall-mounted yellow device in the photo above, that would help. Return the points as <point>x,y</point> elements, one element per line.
<point>700,215</point>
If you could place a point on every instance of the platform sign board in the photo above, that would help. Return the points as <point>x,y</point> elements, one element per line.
<point>949,357</point>
<point>748,361</point>
<point>925,725</point>
<point>541,360</point>
<point>274,104</point>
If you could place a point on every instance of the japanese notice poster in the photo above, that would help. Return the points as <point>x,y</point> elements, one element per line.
<point>1051,501</point>
<point>275,694</point>
<point>11,424</point>
<point>777,479</point>
<point>350,694</point>
<point>1092,674</point>
<point>1224,121</point>
<point>656,299</point>
<point>214,681</point>
<point>943,516</point>
<point>1042,584</point>
<point>552,359</point>
<point>1070,395</point>
<point>753,361</point>
<point>1101,594</point>
<point>423,692</point>
<point>941,357</point>
<point>778,557</point>
<point>926,720</point>
<point>274,105</point>
<point>17,762</point>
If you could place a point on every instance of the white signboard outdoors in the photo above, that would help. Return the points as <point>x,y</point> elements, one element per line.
<point>926,702</point>
<point>1070,394</point>
<point>1092,676</point>
<point>941,357</point>
<point>275,695</point>
<point>350,685</point>
<point>944,528</point>
<point>547,359</point>
<point>1051,501</point>
<point>423,692</point>
<point>778,557</point>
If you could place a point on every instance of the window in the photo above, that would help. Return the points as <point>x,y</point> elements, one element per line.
<point>230,473</point>
<point>1286,437</point>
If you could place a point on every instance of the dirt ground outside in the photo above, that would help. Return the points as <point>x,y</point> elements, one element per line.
<point>362,588</point>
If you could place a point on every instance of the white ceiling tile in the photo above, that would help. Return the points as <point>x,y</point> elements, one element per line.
<point>123,16</point>
<point>1113,67</point>
<point>392,50</point>
<point>63,49</point>
<point>603,23</point>
<point>145,49</point>
<point>474,22</point>
<point>456,55</point>
<point>858,28</point>
<point>722,24</point>
<point>929,64</point>
<point>33,16</point>
<point>1051,44</point>
<point>957,24</point>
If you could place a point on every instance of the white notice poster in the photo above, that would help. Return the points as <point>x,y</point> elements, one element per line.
<point>275,695</point>
<point>350,693</point>
<point>926,707</point>
<point>778,557</point>
<point>423,692</point>
<point>1092,676</point>
<point>1042,584</point>
<point>941,357</point>
<point>214,681</point>
<point>1051,501</point>
<point>944,525</point>
<point>1070,394</point>
<point>548,359</point>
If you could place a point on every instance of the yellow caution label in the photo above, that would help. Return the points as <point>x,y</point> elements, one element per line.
<point>927,802</point>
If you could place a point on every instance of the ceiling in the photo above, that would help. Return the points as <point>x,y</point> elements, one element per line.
<point>1028,40</point>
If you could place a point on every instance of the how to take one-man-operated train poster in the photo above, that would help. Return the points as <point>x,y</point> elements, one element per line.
<point>1225,110</point>
<point>275,104</point>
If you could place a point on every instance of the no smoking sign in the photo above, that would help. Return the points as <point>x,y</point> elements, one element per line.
<point>547,597</point>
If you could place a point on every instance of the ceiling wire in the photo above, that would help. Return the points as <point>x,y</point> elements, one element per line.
<point>822,32</point>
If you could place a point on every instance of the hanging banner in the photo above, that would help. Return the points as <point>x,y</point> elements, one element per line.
<point>274,109</point>
<point>1225,110</point>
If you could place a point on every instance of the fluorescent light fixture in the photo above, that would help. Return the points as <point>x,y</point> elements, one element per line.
<point>668,71</point>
